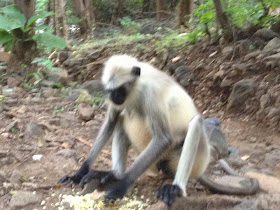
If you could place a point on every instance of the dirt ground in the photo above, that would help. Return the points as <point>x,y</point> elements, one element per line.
<point>64,130</point>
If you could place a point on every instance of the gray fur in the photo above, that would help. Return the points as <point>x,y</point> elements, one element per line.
<point>120,145</point>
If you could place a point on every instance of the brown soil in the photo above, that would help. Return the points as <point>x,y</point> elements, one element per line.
<point>241,134</point>
<point>251,138</point>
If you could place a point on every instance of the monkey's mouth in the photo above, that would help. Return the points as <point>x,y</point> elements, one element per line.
<point>118,95</point>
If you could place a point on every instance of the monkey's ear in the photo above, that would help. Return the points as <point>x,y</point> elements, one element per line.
<point>136,71</point>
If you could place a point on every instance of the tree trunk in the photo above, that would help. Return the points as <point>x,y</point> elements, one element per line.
<point>84,10</point>
<point>148,6</point>
<point>222,20</point>
<point>117,13</point>
<point>185,8</point>
<point>160,7</point>
<point>23,52</point>
<point>60,21</point>
<point>173,4</point>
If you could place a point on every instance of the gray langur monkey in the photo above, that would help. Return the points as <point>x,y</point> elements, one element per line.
<point>151,112</point>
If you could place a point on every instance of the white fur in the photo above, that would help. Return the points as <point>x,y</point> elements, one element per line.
<point>172,101</point>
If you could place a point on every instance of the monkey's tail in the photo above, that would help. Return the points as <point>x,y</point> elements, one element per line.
<point>223,189</point>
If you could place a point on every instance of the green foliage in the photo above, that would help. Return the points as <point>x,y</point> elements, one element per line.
<point>97,100</point>
<point>49,41</point>
<point>129,25</point>
<point>37,76</point>
<point>46,63</point>
<point>105,10</point>
<point>14,130</point>
<point>58,109</point>
<point>31,20</point>
<point>177,41</point>
<point>205,12</point>
<point>241,13</point>
<point>11,18</point>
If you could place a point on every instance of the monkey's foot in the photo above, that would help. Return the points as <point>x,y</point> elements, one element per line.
<point>168,193</point>
<point>118,190</point>
<point>105,177</point>
<point>65,179</point>
<point>77,177</point>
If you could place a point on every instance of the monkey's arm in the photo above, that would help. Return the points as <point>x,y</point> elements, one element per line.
<point>102,137</point>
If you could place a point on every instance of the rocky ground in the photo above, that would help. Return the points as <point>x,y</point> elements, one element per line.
<point>45,131</point>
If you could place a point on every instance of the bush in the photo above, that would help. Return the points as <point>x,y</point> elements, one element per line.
<point>11,18</point>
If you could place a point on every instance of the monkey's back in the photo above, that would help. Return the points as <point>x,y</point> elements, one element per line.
<point>169,97</point>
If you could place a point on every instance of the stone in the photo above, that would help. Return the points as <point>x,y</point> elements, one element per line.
<point>49,92</point>
<point>252,55</point>
<point>15,178</point>
<point>12,125</point>
<point>94,55</point>
<point>22,199</point>
<point>3,69</point>
<point>226,83</point>
<point>4,56</point>
<point>58,76</point>
<point>227,52</point>
<point>276,27</point>
<point>3,153</point>
<point>248,205</point>
<point>267,183</point>
<point>272,44</point>
<point>74,95</point>
<point>173,66</point>
<point>2,177</point>
<point>10,101</point>
<point>10,92</point>
<point>274,112</point>
<point>242,90</point>
<point>273,157</point>
<point>55,121</point>
<point>22,109</point>
<point>266,34</point>
<point>93,87</point>
<point>84,97</point>
<point>66,153</point>
<point>241,67</point>
<point>47,83</point>
<point>63,56</point>
<point>160,205</point>
<point>34,129</point>
<point>13,82</point>
<point>270,201</point>
<point>264,101</point>
<point>184,74</point>
<point>85,112</point>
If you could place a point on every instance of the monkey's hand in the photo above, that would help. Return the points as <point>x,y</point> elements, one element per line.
<point>77,177</point>
<point>168,193</point>
<point>104,177</point>
<point>118,190</point>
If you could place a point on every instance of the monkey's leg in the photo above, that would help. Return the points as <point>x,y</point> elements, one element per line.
<point>194,141</point>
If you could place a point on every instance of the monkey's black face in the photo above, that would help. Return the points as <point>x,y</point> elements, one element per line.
<point>118,95</point>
